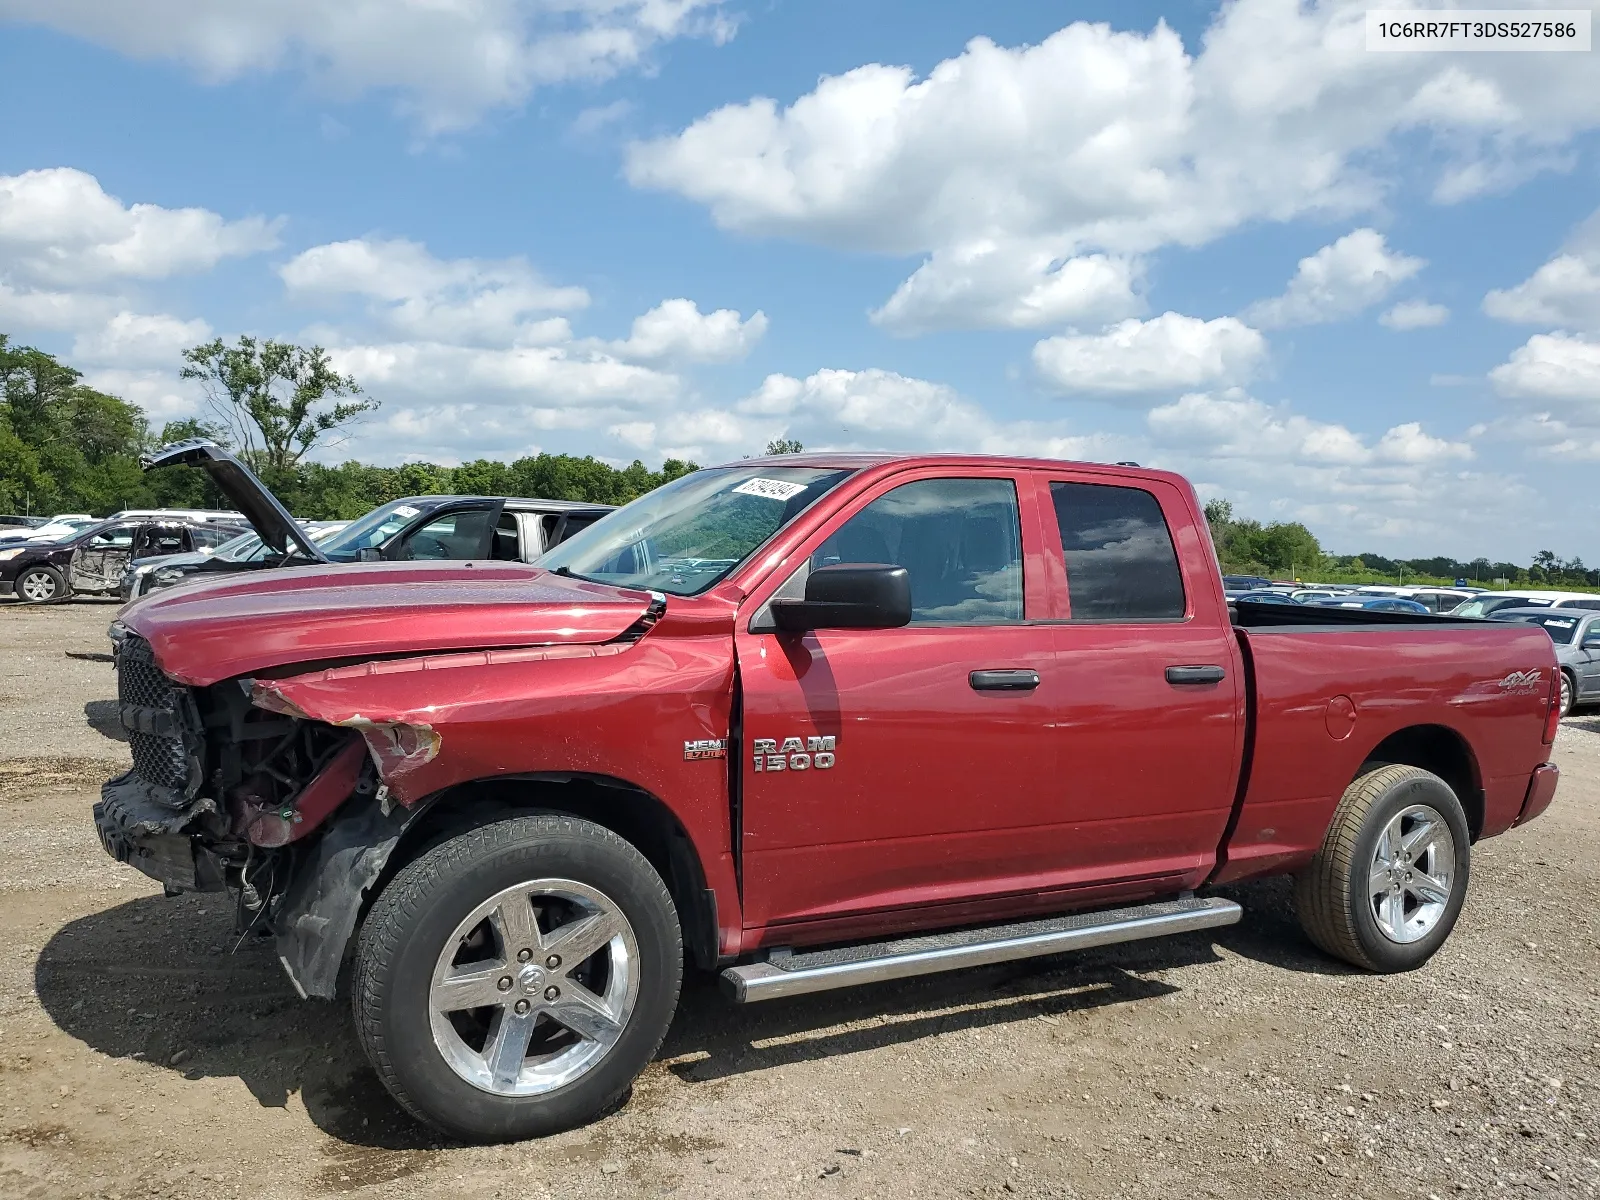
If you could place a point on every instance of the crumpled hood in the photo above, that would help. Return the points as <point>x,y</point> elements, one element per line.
<point>263,620</point>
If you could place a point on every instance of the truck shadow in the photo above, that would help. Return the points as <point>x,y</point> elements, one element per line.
<point>159,981</point>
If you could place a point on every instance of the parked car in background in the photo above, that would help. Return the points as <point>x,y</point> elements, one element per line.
<point>1394,604</point>
<point>246,552</point>
<point>93,560</point>
<point>414,528</point>
<point>1576,634</point>
<point>1434,599</point>
<point>14,521</point>
<point>60,526</point>
<point>1309,595</point>
<point>1486,603</point>
<point>1244,583</point>
<point>1262,597</point>
<point>224,516</point>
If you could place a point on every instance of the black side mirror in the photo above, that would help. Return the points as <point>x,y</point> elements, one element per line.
<point>368,554</point>
<point>848,596</point>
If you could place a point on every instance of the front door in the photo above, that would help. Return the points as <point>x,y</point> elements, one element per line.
<point>98,564</point>
<point>901,767</point>
<point>1588,666</point>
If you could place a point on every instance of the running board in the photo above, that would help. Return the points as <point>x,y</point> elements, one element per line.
<point>823,970</point>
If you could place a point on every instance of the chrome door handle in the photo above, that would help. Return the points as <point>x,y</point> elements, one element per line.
<point>1004,681</point>
<point>1189,675</point>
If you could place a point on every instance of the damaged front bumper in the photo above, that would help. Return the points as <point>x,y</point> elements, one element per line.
<point>143,825</point>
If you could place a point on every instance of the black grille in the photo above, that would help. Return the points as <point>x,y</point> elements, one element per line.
<point>157,759</point>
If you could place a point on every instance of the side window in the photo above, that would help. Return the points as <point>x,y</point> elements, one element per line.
<point>507,542</point>
<point>1121,565</point>
<point>577,522</point>
<point>120,538</point>
<point>960,540</point>
<point>454,535</point>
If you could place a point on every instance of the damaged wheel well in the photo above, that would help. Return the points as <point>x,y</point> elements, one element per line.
<point>625,809</point>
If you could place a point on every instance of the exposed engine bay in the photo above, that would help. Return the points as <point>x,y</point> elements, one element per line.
<point>223,792</point>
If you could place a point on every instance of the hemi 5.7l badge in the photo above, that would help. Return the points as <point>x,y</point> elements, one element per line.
<point>706,748</point>
<point>793,754</point>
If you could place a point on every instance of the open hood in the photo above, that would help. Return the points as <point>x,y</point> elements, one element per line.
<point>262,621</point>
<point>266,514</point>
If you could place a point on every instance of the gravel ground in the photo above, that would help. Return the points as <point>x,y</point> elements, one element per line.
<point>139,1057</point>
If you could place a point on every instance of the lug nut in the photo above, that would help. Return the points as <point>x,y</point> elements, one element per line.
<point>524,955</point>
<point>552,993</point>
<point>504,983</point>
<point>522,1007</point>
<point>553,961</point>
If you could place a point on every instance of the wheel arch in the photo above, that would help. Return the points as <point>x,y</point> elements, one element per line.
<point>628,810</point>
<point>1444,752</point>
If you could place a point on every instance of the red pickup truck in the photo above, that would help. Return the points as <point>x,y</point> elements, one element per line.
<point>809,721</point>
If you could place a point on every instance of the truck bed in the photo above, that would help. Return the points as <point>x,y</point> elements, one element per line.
<point>1332,689</point>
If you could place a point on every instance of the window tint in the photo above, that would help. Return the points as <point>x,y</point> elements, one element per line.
<point>959,539</point>
<point>1121,565</point>
<point>507,542</point>
<point>454,535</point>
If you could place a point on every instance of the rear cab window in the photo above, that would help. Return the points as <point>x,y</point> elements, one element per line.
<point>1117,548</point>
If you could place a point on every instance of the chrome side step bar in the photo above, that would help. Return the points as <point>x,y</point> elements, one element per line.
<point>823,970</point>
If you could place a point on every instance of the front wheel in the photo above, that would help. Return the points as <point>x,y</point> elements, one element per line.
<point>1388,882</point>
<point>1567,693</point>
<point>42,585</point>
<point>512,981</point>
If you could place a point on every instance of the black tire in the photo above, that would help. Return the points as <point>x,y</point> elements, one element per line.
<point>1332,896</point>
<point>1569,692</point>
<point>417,914</point>
<point>48,585</point>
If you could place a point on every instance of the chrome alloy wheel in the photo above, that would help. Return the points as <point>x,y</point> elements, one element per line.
<point>534,987</point>
<point>1566,693</point>
<point>38,587</point>
<point>1413,872</point>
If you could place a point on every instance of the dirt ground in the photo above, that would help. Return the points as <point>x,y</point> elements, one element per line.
<point>140,1055</point>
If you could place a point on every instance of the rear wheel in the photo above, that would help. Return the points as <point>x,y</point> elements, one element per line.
<point>515,979</point>
<point>42,585</point>
<point>1388,882</point>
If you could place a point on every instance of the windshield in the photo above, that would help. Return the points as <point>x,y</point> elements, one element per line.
<point>1560,629</point>
<point>374,529</point>
<point>688,535</point>
<point>247,547</point>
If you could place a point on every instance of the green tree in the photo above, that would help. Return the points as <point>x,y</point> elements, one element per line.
<point>278,400</point>
<point>784,446</point>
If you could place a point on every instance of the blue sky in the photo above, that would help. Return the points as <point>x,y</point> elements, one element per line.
<point>1361,290</point>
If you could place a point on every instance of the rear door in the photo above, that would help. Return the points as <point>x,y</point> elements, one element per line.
<point>1149,733</point>
<point>903,767</point>
<point>98,564</point>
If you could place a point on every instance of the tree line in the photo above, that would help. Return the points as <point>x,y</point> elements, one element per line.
<point>68,447</point>
<point>1288,550</point>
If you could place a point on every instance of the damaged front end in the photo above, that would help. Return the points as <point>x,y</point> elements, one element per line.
<point>224,794</point>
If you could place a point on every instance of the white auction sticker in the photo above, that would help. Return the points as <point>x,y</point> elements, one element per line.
<point>771,489</point>
<point>1479,29</point>
<point>405,510</point>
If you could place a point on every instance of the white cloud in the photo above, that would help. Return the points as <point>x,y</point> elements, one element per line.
<point>1338,281</point>
<point>677,329</point>
<point>1011,285</point>
<point>1564,292</point>
<point>1164,354</point>
<point>59,227</point>
<point>448,62</point>
<point>1556,368</point>
<point>477,301</point>
<point>138,339</point>
<point>1116,142</point>
<point>1414,314</point>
